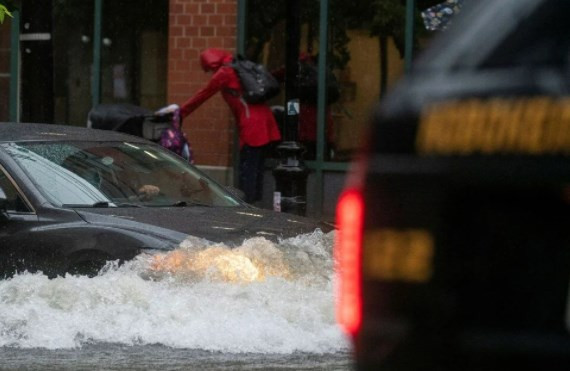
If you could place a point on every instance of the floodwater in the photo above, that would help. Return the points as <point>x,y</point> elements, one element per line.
<point>203,306</point>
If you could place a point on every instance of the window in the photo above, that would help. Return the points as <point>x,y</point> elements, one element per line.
<point>510,34</point>
<point>536,42</point>
<point>115,174</point>
<point>364,57</point>
<point>133,56</point>
<point>15,202</point>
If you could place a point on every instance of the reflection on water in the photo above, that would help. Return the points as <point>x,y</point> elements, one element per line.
<point>256,260</point>
<point>261,298</point>
<point>214,263</point>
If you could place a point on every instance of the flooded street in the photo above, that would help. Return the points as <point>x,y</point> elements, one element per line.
<point>149,357</point>
<point>258,306</point>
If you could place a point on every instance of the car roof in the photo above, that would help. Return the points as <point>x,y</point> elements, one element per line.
<point>479,27</point>
<point>20,132</point>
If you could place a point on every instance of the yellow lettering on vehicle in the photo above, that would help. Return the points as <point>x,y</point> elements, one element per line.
<point>398,255</point>
<point>532,126</point>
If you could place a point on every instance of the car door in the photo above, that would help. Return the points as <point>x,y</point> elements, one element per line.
<point>16,220</point>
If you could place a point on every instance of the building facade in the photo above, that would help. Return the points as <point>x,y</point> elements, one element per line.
<point>55,69</point>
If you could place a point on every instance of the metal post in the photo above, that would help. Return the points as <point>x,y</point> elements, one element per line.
<point>292,63</point>
<point>409,40</point>
<point>96,73</point>
<point>241,37</point>
<point>321,103</point>
<point>291,174</point>
<point>15,67</point>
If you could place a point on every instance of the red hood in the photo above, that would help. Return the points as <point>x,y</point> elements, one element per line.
<point>212,59</point>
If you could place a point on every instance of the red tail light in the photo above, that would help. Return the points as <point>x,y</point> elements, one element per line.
<point>348,252</point>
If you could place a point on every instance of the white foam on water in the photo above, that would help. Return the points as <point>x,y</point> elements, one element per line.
<point>260,297</point>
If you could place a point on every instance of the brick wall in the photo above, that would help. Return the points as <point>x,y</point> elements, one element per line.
<point>195,25</point>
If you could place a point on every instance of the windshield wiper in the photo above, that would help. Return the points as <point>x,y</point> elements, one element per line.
<point>94,205</point>
<point>189,203</point>
<point>102,204</point>
<point>127,204</point>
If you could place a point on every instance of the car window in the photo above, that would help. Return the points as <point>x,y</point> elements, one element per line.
<point>15,203</point>
<point>502,34</point>
<point>540,40</point>
<point>115,174</point>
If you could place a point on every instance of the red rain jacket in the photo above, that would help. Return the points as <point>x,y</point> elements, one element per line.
<point>257,126</point>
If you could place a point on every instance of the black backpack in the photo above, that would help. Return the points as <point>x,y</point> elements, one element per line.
<point>257,83</point>
<point>308,78</point>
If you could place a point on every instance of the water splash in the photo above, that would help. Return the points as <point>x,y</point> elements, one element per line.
<point>260,297</point>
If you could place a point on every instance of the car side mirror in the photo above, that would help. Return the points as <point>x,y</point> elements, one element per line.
<point>236,192</point>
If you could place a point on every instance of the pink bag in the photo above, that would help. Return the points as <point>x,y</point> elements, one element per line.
<point>173,138</point>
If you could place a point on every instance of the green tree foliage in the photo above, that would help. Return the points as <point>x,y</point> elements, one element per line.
<point>382,18</point>
<point>6,9</point>
<point>4,12</point>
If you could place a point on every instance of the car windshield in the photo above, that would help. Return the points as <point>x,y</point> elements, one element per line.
<point>115,174</point>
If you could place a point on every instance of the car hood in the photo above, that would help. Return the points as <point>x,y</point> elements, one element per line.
<point>217,224</point>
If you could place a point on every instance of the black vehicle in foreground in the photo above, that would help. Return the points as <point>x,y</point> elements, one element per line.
<point>73,198</point>
<point>454,229</point>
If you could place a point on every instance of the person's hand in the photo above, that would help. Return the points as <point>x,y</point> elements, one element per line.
<point>147,192</point>
<point>172,111</point>
<point>168,109</point>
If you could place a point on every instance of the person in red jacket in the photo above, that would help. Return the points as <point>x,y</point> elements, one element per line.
<point>256,124</point>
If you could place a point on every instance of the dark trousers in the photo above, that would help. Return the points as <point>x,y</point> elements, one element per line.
<point>251,172</point>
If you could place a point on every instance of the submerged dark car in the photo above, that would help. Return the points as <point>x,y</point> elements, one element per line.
<point>72,199</point>
<point>454,229</point>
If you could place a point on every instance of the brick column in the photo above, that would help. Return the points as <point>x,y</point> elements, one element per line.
<point>195,25</point>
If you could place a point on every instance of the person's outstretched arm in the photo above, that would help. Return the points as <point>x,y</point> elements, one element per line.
<point>216,83</point>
